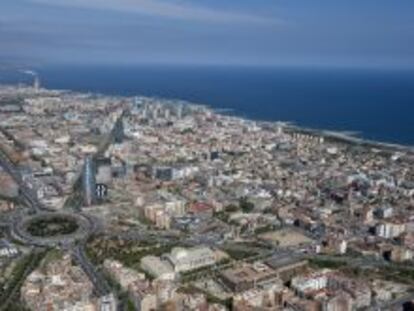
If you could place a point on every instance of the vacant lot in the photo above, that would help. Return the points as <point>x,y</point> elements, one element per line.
<point>286,237</point>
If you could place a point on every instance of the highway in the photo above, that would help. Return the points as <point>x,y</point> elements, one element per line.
<point>76,199</point>
<point>75,246</point>
<point>78,252</point>
<point>101,286</point>
<point>20,224</point>
<point>5,302</point>
<point>28,194</point>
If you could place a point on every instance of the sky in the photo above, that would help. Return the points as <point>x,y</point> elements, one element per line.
<point>225,32</point>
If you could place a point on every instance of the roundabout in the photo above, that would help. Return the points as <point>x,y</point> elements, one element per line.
<point>52,228</point>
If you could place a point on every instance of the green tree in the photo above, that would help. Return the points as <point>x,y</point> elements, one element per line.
<point>245,205</point>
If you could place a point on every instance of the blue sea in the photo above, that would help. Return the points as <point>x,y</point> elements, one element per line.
<point>378,104</point>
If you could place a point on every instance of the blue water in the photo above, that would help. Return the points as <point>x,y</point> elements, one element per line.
<point>379,104</point>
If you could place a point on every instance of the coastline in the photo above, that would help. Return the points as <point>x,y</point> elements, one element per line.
<point>347,137</point>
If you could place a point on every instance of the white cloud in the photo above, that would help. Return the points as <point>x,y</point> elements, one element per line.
<point>162,8</point>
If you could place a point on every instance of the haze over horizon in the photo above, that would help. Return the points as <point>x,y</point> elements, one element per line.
<point>372,33</point>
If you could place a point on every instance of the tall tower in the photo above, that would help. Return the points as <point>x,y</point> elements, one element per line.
<point>89,182</point>
<point>119,131</point>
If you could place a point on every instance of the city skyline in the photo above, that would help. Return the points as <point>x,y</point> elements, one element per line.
<point>206,155</point>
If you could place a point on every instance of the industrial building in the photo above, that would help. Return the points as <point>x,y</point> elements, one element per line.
<point>187,259</point>
<point>287,266</point>
<point>248,276</point>
<point>157,268</point>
